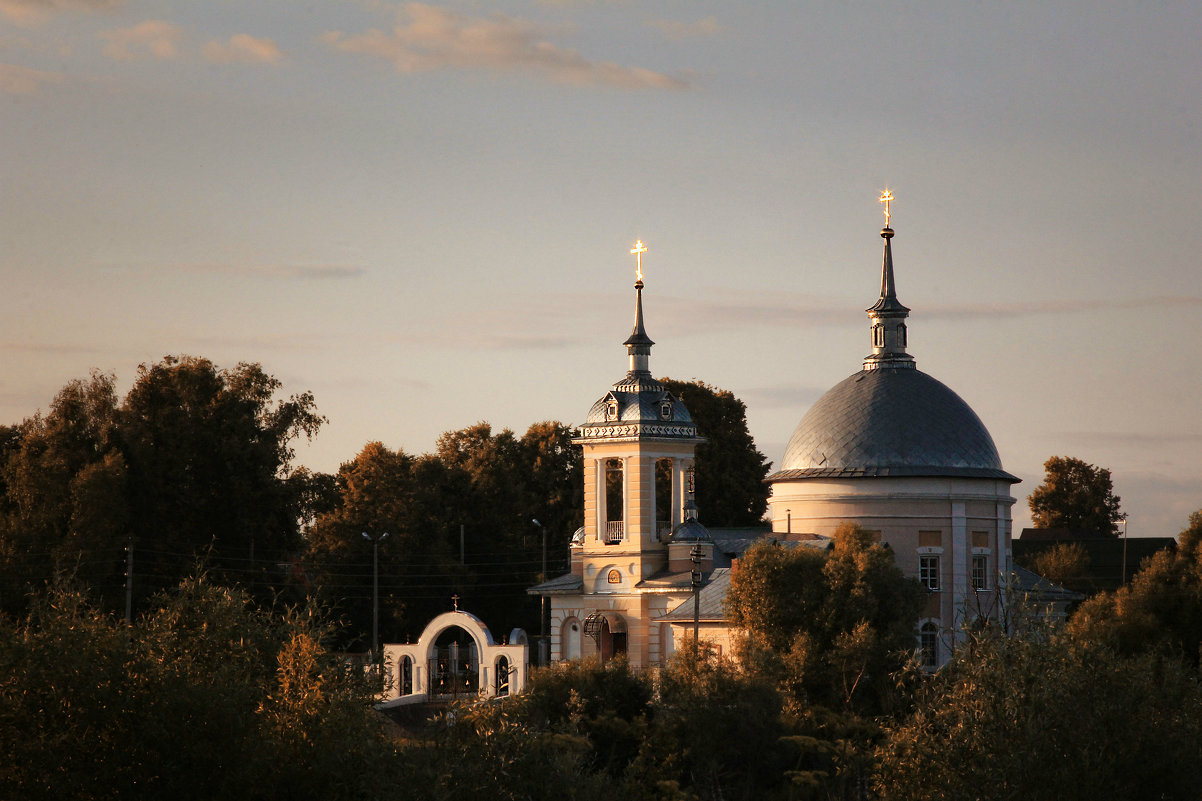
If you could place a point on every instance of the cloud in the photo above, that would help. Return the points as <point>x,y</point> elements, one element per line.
<point>33,12</point>
<point>286,271</point>
<point>45,348</point>
<point>1057,307</point>
<point>429,38</point>
<point>153,38</point>
<point>755,310</point>
<point>244,49</point>
<point>676,31</point>
<point>17,80</point>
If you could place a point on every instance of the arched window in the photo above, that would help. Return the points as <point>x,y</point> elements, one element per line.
<point>406,676</point>
<point>928,644</point>
<point>502,671</point>
<point>569,639</point>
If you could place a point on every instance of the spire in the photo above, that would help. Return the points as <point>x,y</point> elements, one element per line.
<point>888,315</point>
<point>638,344</point>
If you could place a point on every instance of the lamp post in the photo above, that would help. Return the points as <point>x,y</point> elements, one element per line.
<point>375,590</point>
<point>1123,578</point>
<point>542,613</point>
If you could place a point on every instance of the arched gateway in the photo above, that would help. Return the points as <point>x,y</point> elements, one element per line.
<point>455,657</point>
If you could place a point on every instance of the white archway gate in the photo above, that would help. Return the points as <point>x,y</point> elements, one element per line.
<point>421,671</point>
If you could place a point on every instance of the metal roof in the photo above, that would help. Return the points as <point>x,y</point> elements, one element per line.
<point>713,596</point>
<point>890,422</point>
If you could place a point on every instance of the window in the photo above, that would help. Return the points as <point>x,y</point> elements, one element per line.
<point>878,336</point>
<point>928,571</point>
<point>611,410</point>
<point>665,410</point>
<point>980,572</point>
<point>928,645</point>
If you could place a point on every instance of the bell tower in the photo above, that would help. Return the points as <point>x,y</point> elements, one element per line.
<point>638,445</point>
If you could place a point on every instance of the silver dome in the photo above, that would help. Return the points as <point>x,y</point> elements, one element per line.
<point>891,422</point>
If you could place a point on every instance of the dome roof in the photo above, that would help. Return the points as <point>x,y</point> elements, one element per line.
<point>891,422</point>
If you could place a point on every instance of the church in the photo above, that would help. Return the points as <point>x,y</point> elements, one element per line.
<point>889,448</point>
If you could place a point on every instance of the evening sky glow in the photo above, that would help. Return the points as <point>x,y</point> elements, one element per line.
<point>424,212</point>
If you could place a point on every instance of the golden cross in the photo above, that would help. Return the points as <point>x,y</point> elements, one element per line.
<point>886,197</point>
<point>637,251</point>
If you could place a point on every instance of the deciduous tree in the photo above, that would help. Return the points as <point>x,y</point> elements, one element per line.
<point>1075,495</point>
<point>833,625</point>
<point>1041,716</point>
<point>1160,610</point>
<point>730,471</point>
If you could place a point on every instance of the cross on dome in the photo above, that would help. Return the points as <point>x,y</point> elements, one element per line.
<point>886,198</point>
<point>637,251</point>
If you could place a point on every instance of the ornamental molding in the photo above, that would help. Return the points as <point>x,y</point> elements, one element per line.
<point>628,430</point>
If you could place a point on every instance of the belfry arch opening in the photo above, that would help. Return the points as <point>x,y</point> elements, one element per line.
<point>615,486</point>
<point>664,502</point>
<point>454,663</point>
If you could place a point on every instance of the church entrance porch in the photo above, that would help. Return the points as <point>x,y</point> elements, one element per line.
<point>609,636</point>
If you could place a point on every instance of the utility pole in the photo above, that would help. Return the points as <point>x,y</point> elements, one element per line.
<point>375,590</point>
<point>695,580</point>
<point>129,582</point>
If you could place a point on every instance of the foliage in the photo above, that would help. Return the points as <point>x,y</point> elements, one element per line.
<point>492,485</point>
<point>195,463</point>
<point>1065,563</point>
<point>832,626</point>
<point>1075,495</point>
<point>729,469</point>
<point>1043,716</point>
<point>1160,610</point>
<point>711,723</point>
<point>204,697</point>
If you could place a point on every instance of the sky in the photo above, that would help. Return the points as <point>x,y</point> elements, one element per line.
<point>423,213</point>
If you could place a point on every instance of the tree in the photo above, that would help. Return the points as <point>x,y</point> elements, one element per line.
<point>1042,716</point>
<point>1065,563</point>
<point>204,697</point>
<point>1075,495</point>
<point>194,465</point>
<point>383,491</point>
<point>64,506</point>
<point>832,625</point>
<point>730,471</point>
<point>494,485</point>
<point>1160,610</point>
<point>209,453</point>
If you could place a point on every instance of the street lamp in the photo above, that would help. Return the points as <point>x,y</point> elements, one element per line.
<point>375,590</point>
<point>542,617</point>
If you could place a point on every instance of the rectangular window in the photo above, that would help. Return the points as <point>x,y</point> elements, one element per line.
<point>980,572</point>
<point>928,571</point>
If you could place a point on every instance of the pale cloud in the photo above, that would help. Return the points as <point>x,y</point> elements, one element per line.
<point>154,38</point>
<point>284,271</point>
<point>243,48</point>
<point>672,29</point>
<point>1038,308</point>
<point>428,38</point>
<point>34,12</point>
<point>17,80</point>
